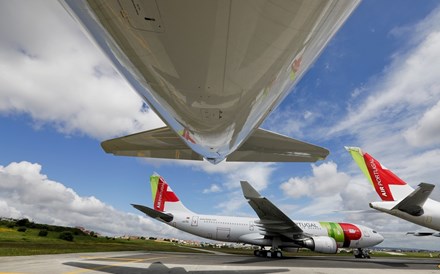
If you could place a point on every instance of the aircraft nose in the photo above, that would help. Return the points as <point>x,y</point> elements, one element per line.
<point>379,239</point>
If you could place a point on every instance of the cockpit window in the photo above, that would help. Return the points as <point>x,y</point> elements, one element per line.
<point>374,231</point>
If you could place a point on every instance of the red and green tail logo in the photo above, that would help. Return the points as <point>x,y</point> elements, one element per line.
<point>380,177</point>
<point>161,192</point>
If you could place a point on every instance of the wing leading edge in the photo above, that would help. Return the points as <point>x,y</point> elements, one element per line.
<point>261,146</point>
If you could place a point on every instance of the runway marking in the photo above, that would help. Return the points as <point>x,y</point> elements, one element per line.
<point>126,261</point>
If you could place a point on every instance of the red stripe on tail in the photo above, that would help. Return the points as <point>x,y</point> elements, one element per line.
<point>163,194</point>
<point>382,178</point>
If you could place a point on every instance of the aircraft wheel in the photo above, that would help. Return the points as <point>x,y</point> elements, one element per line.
<point>278,254</point>
<point>269,254</point>
<point>260,253</point>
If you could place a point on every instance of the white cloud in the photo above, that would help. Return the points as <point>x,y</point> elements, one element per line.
<point>212,189</point>
<point>325,181</point>
<point>257,174</point>
<point>26,192</point>
<point>51,72</point>
<point>404,98</point>
<point>427,129</point>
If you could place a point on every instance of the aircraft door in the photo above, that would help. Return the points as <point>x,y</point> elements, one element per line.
<point>195,221</point>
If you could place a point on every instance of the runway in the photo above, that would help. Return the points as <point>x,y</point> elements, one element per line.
<point>181,263</point>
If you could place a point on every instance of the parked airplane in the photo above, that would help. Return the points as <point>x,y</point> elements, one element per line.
<point>273,228</point>
<point>212,70</point>
<point>398,198</point>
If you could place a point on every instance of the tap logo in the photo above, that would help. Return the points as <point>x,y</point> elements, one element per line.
<point>163,194</point>
<point>377,178</point>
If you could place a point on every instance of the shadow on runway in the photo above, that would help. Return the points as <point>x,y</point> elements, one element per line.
<point>160,268</point>
<point>341,262</point>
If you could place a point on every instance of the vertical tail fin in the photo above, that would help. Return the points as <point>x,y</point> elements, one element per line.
<point>164,199</point>
<point>388,186</point>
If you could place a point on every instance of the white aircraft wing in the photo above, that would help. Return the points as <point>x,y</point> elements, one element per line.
<point>272,220</point>
<point>413,203</point>
<point>261,146</point>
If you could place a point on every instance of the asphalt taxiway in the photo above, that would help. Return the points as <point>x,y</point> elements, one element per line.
<point>181,263</point>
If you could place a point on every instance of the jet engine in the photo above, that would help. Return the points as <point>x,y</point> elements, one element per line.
<point>322,244</point>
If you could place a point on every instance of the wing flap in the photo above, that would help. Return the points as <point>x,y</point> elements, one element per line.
<point>413,203</point>
<point>267,146</point>
<point>156,143</point>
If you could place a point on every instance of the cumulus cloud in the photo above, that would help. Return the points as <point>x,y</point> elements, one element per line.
<point>427,129</point>
<point>231,173</point>
<point>325,181</point>
<point>26,192</point>
<point>403,99</point>
<point>324,189</point>
<point>212,189</point>
<point>257,174</point>
<point>51,72</point>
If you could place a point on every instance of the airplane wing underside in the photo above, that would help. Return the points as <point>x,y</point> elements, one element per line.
<point>261,146</point>
<point>272,220</point>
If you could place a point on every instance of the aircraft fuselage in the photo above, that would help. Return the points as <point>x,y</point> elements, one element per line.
<point>212,70</point>
<point>247,230</point>
<point>430,217</point>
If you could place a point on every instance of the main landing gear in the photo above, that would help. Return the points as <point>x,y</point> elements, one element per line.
<point>268,253</point>
<point>361,253</point>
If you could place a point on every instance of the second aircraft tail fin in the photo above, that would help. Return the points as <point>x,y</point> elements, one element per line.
<point>388,186</point>
<point>164,198</point>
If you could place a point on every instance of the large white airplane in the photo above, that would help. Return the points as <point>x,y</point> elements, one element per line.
<point>273,228</point>
<point>212,70</point>
<point>398,198</point>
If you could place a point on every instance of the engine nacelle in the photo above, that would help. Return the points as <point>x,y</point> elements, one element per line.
<point>322,244</point>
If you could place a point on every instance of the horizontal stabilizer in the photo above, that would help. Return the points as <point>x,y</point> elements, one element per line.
<point>261,146</point>
<point>358,211</point>
<point>156,143</point>
<point>153,213</point>
<point>413,203</point>
<point>425,233</point>
<point>267,146</point>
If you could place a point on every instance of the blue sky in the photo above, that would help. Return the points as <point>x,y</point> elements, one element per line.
<point>374,86</point>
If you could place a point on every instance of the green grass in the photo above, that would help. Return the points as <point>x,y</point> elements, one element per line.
<point>14,243</point>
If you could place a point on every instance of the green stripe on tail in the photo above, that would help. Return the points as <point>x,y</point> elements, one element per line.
<point>154,182</point>
<point>358,157</point>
